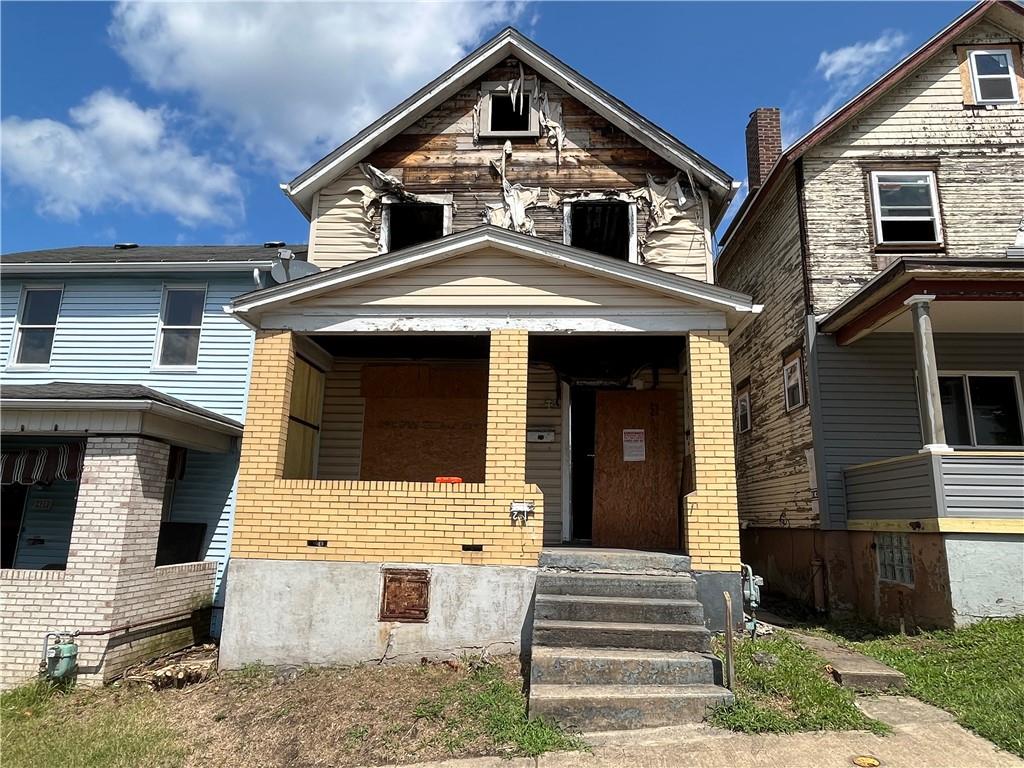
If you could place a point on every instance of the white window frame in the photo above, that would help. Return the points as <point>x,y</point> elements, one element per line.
<point>491,89</point>
<point>970,407</point>
<point>976,78</point>
<point>633,251</point>
<point>743,398</point>
<point>877,206</point>
<point>447,201</point>
<point>892,568</point>
<point>787,376</point>
<point>161,326</point>
<point>19,326</point>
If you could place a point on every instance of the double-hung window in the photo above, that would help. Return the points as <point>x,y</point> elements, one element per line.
<point>981,409</point>
<point>906,208</point>
<point>992,76</point>
<point>37,322</point>
<point>793,381</point>
<point>743,422</point>
<point>181,322</point>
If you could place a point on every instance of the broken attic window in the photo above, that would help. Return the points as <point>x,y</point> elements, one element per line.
<point>410,224</point>
<point>601,227</point>
<point>507,117</point>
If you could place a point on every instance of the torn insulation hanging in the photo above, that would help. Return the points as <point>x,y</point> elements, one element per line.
<point>383,185</point>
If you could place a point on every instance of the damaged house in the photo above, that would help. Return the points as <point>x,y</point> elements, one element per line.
<point>878,396</point>
<point>498,416</point>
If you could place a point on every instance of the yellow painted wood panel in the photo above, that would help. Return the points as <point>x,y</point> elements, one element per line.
<point>491,280</point>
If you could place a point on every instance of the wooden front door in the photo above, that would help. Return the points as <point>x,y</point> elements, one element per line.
<point>636,483</point>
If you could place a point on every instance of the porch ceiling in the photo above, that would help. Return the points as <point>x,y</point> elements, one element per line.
<point>995,284</point>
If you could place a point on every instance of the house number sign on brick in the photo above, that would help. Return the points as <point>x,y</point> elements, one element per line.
<point>634,445</point>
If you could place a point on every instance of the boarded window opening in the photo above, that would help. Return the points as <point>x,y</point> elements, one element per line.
<point>410,224</point>
<point>305,413</point>
<point>602,227</point>
<point>507,117</point>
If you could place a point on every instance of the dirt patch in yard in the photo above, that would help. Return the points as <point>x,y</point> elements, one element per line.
<point>311,717</point>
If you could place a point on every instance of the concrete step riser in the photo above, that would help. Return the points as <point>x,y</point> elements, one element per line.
<point>624,561</point>
<point>646,613</point>
<point>568,670</point>
<point>610,713</point>
<point>668,588</point>
<point>696,639</point>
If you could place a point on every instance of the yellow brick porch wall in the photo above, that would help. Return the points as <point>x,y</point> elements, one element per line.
<point>712,519</point>
<point>385,521</point>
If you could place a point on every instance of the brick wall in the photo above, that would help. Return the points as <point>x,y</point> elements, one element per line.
<point>110,578</point>
<point>375,521</point>
<point>712,522</point>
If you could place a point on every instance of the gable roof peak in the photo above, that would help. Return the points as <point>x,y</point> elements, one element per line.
<point>303,187</point>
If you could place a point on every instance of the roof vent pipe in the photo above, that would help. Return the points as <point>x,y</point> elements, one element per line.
<point>125,246</point>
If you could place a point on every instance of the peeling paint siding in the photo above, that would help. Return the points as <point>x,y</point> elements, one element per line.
<point>772,472</point>
<point>437,155</point>
<point>980,175</point>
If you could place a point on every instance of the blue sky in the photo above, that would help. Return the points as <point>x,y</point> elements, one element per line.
<point>175,123</point>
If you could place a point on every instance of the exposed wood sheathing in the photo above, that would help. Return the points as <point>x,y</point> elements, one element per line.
<point>439,154</point>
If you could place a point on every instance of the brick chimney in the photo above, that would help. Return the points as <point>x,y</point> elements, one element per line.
<point>764,144</point>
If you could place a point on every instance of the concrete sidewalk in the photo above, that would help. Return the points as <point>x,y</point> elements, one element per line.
<point>923,737</point>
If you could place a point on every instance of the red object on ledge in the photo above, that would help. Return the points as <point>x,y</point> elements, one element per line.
<point>445,479</point>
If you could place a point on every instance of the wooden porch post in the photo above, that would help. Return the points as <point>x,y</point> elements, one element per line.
<point>928,395</point>
<point>712,515</point>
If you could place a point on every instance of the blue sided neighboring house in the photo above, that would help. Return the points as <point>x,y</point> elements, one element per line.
<point>122,393</point>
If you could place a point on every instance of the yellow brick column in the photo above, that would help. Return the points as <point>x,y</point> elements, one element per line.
<point>266,435</point>
<point>712,517</point>
<point>506,408</point>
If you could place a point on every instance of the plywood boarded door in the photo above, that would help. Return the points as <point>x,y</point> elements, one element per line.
<point>635,477</point>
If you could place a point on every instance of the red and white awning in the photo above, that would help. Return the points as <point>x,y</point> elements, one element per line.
<point>41,465</point>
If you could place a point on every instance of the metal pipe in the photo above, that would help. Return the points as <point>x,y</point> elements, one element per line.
<point>126,627</point>
<point>46,643</point>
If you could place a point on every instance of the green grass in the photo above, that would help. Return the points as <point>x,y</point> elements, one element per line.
<point>487,703</point>
<point>44,727</point>
<point>976,673</point>
<point>790,695</point>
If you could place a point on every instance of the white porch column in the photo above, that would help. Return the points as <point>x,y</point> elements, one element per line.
<point>927,374</point>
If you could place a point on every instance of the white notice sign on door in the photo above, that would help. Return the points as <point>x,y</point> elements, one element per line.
<point>634,445</point>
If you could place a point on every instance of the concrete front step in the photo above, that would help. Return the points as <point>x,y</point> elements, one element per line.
<point>645,610</point>
<point>619,707</point>
<point>621,666</point>
<point>677,587</point>
<point>601,634</point>
<point>597,560</point>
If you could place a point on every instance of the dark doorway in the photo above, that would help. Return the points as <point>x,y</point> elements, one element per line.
<point>582,412</point>
<point>12,510</point>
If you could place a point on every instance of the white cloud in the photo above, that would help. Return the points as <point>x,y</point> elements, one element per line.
<point>114,152</point>
<point>290,82</point>
<point>849,68</point>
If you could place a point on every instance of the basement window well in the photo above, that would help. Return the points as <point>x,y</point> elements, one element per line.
<point>607,227</point>
<point>405,224</point>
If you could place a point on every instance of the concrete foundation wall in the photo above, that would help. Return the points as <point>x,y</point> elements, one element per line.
<point>327,613</point>
<point>986,576</point>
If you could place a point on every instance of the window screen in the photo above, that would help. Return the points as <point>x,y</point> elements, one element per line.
<point>602,228</point>
<point>410,224</point>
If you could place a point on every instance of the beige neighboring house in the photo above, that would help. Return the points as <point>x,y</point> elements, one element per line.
<point>878,396</point>
<point>495,414</point>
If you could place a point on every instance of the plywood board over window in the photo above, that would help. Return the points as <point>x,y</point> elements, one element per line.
<point>304,416</point>
<point>424,421</point>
